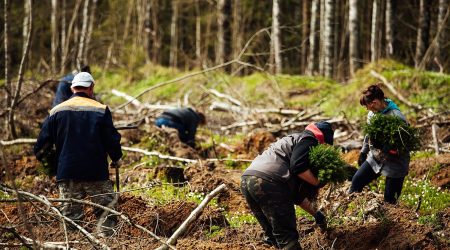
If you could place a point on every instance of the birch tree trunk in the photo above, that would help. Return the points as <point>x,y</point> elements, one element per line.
<point>305,34</point>
<point>442,38</point>
<point>422,31</point>
<point>220,49</point>
<point>23,61</point>
<point>156,44</point>
<point>147,30</point>
<point>312,38</point>
<point>237,31</point>
<point>276,36</point>
<point>71,28</point>
<point>63,37</point>
<point>373,32</point>
<point>321,37</point>
<point>174,35</point>
<point>354,47</point>
<point>80,56</point>
<point>89,31</point>
<point>328,38</point>
<point>54,30</point>
<point>198,35</point>
<point>389,28</point>
<point>7,59</point>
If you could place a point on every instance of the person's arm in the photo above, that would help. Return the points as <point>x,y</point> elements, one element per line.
<point>111,138</point>
<point>309,177</point>
<point>45,140</point>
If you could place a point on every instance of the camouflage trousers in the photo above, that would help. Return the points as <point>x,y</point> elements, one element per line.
<point>272,205</point>
<point>100,192</point>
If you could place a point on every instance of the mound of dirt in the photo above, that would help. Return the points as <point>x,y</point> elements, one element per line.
<point>437,166</point>
<point>255,143</point>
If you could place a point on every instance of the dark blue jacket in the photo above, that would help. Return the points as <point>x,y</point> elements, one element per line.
<point>63,92</point>
<point>188,118</point>
<point>84,135</point>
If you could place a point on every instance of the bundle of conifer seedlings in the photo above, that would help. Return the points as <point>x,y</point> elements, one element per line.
<point>392,133</point>
<point>327,164</point>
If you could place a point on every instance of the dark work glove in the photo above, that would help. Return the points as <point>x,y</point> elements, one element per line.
<point>321,220</point>
<point>362,158</point>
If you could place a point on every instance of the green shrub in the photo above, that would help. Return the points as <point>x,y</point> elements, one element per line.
<point>391,132</point>
<point>327,161</point>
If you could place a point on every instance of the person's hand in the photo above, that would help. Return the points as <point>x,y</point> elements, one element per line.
<point>362,158</point>
<point>321,220</point>
<point>115,164</point>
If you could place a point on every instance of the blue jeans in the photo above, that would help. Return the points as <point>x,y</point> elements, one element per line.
<point>365,175</point>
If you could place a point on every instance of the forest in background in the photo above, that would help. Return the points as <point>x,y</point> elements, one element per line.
<point>316,37</point>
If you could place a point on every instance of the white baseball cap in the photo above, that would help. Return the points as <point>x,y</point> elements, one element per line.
<point>83,79</point>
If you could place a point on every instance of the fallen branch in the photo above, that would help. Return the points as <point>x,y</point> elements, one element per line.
<point>18,141</point>
<point>139,104</point>
<point>435,139</point>
<point>192,217</point>
<point>227,97</point>
<point>394,91</point>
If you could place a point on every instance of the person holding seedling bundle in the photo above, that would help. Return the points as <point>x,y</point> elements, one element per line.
<point>283,175</point>
<point>386,146</point>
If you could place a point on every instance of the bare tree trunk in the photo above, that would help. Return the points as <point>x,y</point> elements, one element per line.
<point>354,49</point>
<point>442,38</point>
<point>155,32</point>
<point>63,37</point>
<point>54,30</point>
<point>276,36</point>
<point>373,32</point>
<point>174,35</point>
<point>80,57</point>
<point>69,34</point>
<point>220,49</point>
<point>312,38</point>
<point>305,34</point>
<point>423,31</point>
<point>22,66</point>
<point>198,35</point>
<point>147,31</point>
<point>328,37</point>
<point>7,59</point>
<point>237,31</point>
<point>389,28</point>
<point>321,37</point>
<point>89,31</point>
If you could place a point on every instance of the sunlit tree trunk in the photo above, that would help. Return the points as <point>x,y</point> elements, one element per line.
<point>220,47</point>
<point>7,59</point>
<point>80,56</point>
<point>174,35</point>
<point>276,36</point>
<point>373,32</point>
<point>422,31</point>
<point>147,31</point>
<point>313,38</point>
<point>442,38</point>
<point>89,31</point>
<point>328,38</point>
<point>321,37</point>
<point>198,35</point>
<point>67,40</point>
<point>63,37</point>
<point>354,51</point>
<point>237,30</point>
<point>156,38</point>
<point>389,28</point>
<point>54,30</point>
<point>305,34</point>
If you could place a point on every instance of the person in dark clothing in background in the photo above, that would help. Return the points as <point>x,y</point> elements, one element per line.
<point>84,135</point>
<point>63,91</point>
<point>185,120</point>
<point>281,177</point>
<point>375,161</point>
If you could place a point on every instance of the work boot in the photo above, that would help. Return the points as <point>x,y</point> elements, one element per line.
<point>270,241</point>
<point>293,245</point>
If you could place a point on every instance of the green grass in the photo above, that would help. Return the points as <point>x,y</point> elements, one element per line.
<point>238,219</point>
<point>433,199</point>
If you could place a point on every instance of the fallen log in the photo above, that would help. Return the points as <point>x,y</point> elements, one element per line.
<point>192,217</point>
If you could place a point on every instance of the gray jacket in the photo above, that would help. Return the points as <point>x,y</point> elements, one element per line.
<point>394,166</point>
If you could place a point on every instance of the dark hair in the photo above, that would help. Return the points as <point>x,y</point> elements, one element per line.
<point>373,92</point>
<point>86,68</point>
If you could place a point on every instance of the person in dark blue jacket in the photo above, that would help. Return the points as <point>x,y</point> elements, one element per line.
<point>63,91</point>
<point>185,120</point>
<point>83,133</point>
